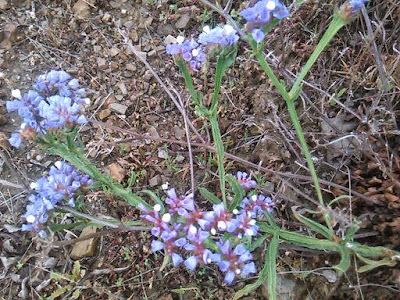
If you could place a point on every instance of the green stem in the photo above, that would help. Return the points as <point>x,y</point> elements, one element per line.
<point>307,154</point>
<point>336,24</point>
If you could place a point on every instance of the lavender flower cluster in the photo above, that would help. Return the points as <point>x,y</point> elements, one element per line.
<point>261,14</point>
<point>184,229</point>
<point>55,101</point>
<point>64,183</point>
<point>194,52</point>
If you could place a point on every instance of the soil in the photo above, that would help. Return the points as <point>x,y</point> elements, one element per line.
<point>350,118</point>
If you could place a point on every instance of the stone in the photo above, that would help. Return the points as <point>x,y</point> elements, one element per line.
<point>106,18</point>
<point>129,24</point>
<point>102,63</point>
<point>122,87</point>
<point>153,132</point>
<point>118,108</point>
<point>166,29</point>
<point>170,40</point>
<point>330,275</point>
<point>85,248</point>
<point>4,5</point>
<point>104,114</point>
<point>179,132</point>
<point>182,21</point>
<point>179,158</point>
<point>114,51</point>
<point>133,35</point>
<point>131,67</point>
<point>156,180</point>
<point>162,153</point>
<point>81,9</point>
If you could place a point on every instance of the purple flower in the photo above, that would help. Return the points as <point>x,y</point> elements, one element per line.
<point>179,205</point>
<point>60,83</point>
<point>280,11</point>
<point>171,243</point>
<point>245,180</point>
<point>154,217</point>
<point>190,51</point>
<point>36,213</point>
<point>245,225</point>
<point>195,245</point>
<point>59,111</point>
<point>27,131</point>
<point>257,205</point>
<point>348,10</point>
<point>258,35</point>
<point>223,36</point>
<point>261,14</point>
<point>57,101</point>
<point>235,261</point>
<point>218,219</point>
<point>26,106</point>
<point>63,183</point>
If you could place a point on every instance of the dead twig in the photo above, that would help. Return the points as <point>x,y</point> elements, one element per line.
<point>242,161</point>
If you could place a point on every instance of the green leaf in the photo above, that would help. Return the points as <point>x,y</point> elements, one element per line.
<point>352,231</point>
<point>344,263</point>
<point>209,196</point>
<point>270,220</point>
<point>196,96</point>
<point>339,198</point>
<point>60,291</point>
<point>76,294</point>
<point>372,264</point>
<point>76,271</point>
<point>61,227</point>
<point>220,152</point>
<point>271,262</point>
<point>257,243</point>
<point>132,179</point>
<point>237,189</point>
<point>313,225</point>
<point>299,239</point>
<point>183,290</point>
<point>227,57</point>
<point>155,198</point>
<point>57,276</point>
<point>372,251</point>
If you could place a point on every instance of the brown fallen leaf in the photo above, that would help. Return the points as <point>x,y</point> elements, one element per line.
<point>116,172</point>
<point>86,248</point>
<point>81,9</point>
<point>8,36</point>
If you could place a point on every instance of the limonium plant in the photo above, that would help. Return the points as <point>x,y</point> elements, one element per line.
<point>232,226</point>
<point>222,43</point>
